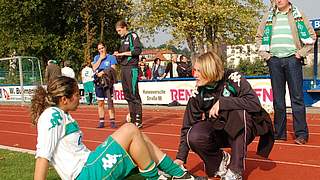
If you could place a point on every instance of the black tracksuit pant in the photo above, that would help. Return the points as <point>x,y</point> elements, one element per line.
<point>129,77</point>
<point>207,142</point>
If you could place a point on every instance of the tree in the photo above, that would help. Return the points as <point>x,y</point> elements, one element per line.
<point>59,29</point>
<point>203,24</point>
<point>255,68</point>
<point>42,28</point>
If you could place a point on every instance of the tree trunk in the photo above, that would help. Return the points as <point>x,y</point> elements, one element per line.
<point>191,45</point>
<point>89,36</point>
<point>102,19</point>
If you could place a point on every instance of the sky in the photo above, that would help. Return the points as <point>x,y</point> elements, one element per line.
<point>311,8</point>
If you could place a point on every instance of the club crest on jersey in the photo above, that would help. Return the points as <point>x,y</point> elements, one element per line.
<point>194,92</point>
<point>56,119</point>
<point>235,77</point>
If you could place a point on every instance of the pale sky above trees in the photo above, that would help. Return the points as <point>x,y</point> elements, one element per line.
<point>309,7</point>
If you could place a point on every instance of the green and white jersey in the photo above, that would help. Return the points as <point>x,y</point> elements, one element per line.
<point>60,141</point>
<point>87,74</point>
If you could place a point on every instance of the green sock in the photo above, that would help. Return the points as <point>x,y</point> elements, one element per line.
<point>150,172</point>
<point>168,166</point>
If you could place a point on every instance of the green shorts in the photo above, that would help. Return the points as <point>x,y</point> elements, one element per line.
<point>108,161</point>
<point>88,87</point>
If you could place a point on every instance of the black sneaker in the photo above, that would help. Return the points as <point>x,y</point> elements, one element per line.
<point>174,103</point>
<point>113,125</point>
<point>300,140</point>
<point>101,125</point>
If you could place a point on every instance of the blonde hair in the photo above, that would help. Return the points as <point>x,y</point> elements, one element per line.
<point>211,66</point>
<point>44,98</point>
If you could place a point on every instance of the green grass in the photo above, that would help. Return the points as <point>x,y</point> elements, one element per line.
<point>16,165</point>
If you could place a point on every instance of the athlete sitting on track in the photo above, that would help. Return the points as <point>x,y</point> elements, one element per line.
<point>59,142</point>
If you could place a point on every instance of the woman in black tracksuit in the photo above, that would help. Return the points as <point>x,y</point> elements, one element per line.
<point>224,112</point>
<point>128,58</point>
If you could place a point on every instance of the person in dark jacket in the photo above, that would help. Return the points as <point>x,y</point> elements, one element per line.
<point>128,58</point>
<point>224,112</point>
<point>157,69</point>
<point>53,71</point>
<point>184,68</point>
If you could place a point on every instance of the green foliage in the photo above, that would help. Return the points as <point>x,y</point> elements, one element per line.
<point>256,68</point>
<point>308,71</point>
<point>203,24</point>
<point>56,29</point>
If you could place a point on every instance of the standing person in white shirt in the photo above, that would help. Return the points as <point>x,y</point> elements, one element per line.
<point>87,80</point>
<point>59,142</point>
<point>67,70</point>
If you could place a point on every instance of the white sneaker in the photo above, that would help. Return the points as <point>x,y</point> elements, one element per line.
<point>223,165</point>
<point>164,176</point>
<point>230,175</point>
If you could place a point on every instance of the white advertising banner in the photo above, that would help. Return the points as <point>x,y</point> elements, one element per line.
<point>159,92</point>
<point>13,93</point>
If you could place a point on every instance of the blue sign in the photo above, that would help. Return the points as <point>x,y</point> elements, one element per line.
<point>315,23</point>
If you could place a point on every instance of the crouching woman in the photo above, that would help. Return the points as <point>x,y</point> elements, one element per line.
<point>224,112</point>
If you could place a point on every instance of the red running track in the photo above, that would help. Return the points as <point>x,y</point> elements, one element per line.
<point>287,161</point>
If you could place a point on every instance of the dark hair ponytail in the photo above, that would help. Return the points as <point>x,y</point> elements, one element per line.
<point>38,104</point>
<point>57,88</point>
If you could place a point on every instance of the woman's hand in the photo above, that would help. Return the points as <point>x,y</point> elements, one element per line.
<point>298,56</point>
<point>214,111</point>
<point>102,55</point>
<point>116,53</point>
<point>100,74</point>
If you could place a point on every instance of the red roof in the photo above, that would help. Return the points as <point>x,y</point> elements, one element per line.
<point>156,51</point>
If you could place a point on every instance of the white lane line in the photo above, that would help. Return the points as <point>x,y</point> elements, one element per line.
<point>158,124</point>
<point>283,162</point>
<point>148,121</point>
<point>161,134</point>
<point>263,160</point>
<point>163,149</point>
<point>173,150</point>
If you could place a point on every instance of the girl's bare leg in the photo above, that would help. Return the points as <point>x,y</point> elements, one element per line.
<point>131,139</point>
<point>155,153</point>
<point>143,151</point>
